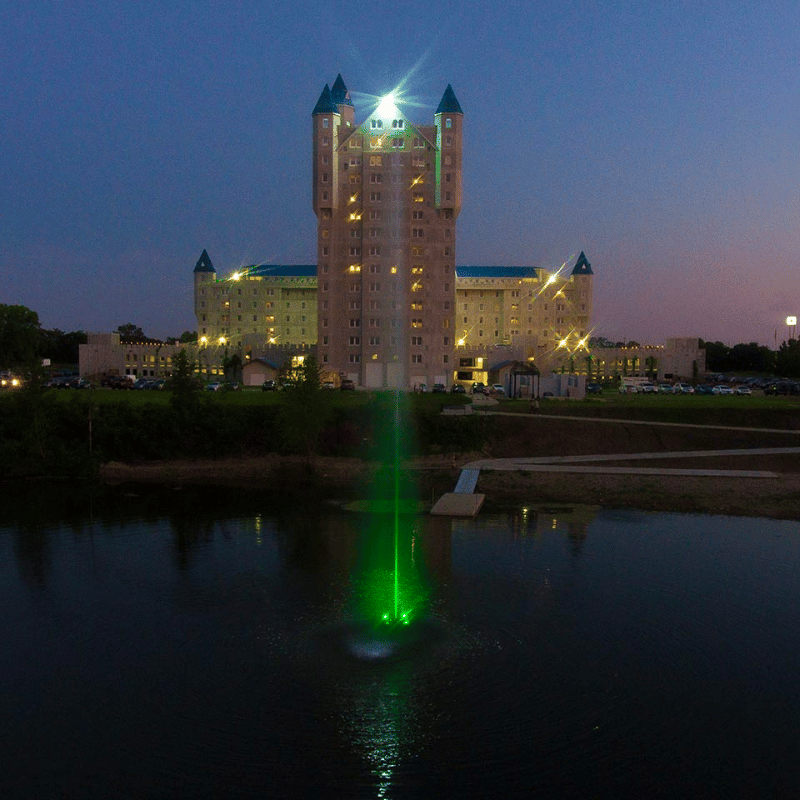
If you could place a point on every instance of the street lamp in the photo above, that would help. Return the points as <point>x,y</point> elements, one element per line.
<point>791,322</point>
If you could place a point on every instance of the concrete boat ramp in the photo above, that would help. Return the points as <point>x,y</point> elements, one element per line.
<point>465,502</point>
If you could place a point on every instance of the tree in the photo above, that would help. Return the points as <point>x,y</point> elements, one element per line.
<point>716,356</point>
<point>306,409</point>
<point>20,335</point>
<point>60,347</point>
<point>130,331</point>
<point>600,341</point>
<point>183,383</point>
<point>787,359</point>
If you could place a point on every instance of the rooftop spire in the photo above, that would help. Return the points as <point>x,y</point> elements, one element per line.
<point>325,104</point>
<point>449,104</point>
<point>204,263</point>
<point>339,93</point>
<point>582,266</point>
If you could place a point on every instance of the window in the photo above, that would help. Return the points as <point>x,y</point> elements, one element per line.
<point>398,143</point>
<point>375,178</point>
<point>448,123</point>
<point>355,358</point>
<point>375,250</point>
<point>418,197</point>
<point>397,123</point>
<point>375,197</point>
<point>417,215</point>
<point>417,233</point>
<point>448,160</point>
<point>325,122</point>
<point>355,323</point>
<point>375,233</point>
<point>448,140</point>
<point>374,322</point>
<point>376,123</point>
<point>374,287</point>
<point>375,161</point>
<point>416,358</point>
<point>374,340</point>
<point>374,214</point>
<point>355,340</point>
<point>416,341</point>
<point>355,251</point>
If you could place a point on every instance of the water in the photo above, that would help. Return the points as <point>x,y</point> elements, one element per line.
<point>205,646</point>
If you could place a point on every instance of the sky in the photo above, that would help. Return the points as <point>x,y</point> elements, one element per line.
<point>659,138</point>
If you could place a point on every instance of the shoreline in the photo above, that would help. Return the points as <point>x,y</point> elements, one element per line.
<point>346,478</point>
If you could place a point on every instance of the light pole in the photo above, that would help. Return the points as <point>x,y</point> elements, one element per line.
<point>792,323</point>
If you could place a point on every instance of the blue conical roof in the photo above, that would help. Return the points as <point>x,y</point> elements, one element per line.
<point>582,266</point>
<point>204,263</point>
<point>449,104</point>
<point>339,93</point>
<point>325,104</point>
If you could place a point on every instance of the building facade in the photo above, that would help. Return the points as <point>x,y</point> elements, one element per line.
<point>387,195</point>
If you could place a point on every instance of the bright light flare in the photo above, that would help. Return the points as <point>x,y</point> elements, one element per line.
<point>387,108</point>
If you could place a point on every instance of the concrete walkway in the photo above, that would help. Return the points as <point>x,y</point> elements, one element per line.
<point>486,409</point>
<point>468,477</point>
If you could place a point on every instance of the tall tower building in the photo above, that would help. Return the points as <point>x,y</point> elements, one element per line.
<point>386,193</point>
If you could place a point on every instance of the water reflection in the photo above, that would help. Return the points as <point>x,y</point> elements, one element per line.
<point>208,644</point>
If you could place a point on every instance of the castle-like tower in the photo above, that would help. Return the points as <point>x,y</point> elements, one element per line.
<point>387,194</point>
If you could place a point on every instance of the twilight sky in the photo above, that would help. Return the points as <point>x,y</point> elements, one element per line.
<point>659,137</point>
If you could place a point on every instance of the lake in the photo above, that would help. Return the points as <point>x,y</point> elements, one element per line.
<point>211,644</point>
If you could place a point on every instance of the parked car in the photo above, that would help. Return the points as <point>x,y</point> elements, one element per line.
<point>721,389</point>
<point>742,390</point>
<point>666,388</point>
<point>703,388</point>
<point>683,388</point>
<point>498,388</point>
<point>628,388</point>
<point>594,388</point>
<point>269,386</point>
<point>439,388</point>
<point>347,385</point>
<point>212,386</point>
<point>478,388</point>
<point>648,388</point>
<point>458,388</point>
<point>328,385</point>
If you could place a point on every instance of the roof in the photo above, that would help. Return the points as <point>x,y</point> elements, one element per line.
<point>339,92</point>
<point>325,104</point>
<point>496,272</point>
<point>280,271</point>
<point>582,266</point>
<point>449,104</point>
<point>204,263</point>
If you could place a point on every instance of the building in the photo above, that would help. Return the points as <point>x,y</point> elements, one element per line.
<point>387,195</point>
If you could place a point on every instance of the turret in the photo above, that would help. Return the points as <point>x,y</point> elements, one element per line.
<point>204,275</point>
<point>449,121</point>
